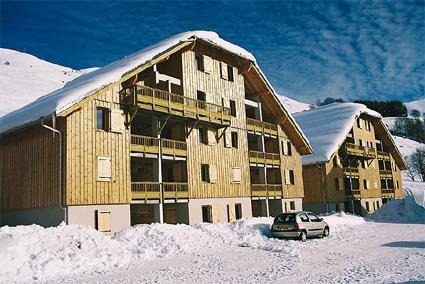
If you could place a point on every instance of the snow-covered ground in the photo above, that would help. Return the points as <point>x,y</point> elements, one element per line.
<point>374,250</point>
<point>24,78</point>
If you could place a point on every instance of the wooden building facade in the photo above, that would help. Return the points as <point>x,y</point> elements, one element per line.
<point>362,173</point>
<point>193,134</point>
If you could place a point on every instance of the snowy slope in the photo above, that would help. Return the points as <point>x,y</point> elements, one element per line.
<point>418,104</point>
<point>24,78</point>
<point>293,106</point>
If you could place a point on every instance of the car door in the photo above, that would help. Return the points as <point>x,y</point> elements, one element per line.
<point>316,224</point>
<point>305,223</point>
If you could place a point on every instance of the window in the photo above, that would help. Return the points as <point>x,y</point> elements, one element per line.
<point>238,211</point>
<point>104,168</point>
<point>202,133</point>
<point>205,173</point>
<point>289,148</point>
<point>337,187</point>
<point>201,96</point>
<point>313,218</point>
<point>207,214</point>
<point>199,62</point>
<point>360,142</point>
<point>360,123</point>
<point>223,71</point>
<point>230,76</point>
<point>102,118</point>
<point>397,184</point>
<point>236,173</point>
<point>234,139</point>
<point>291,177</point>
<point>367,206</point>
<point>377,204</point>
<point>232,108</point>
<point>366,184</point>
<point>304,217</point>
<point>292,205</point>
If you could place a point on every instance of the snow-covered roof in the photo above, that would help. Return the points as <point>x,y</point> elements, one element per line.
<point>326,128</point>
<point>84,86</point>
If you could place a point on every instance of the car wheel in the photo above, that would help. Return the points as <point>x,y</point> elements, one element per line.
<point>303,236</point>
<point>326,232</point>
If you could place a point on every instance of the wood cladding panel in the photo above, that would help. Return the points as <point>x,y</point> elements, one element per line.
<point>290,163</point>
<point>29,161</point>
<point>223,158</point>
<point>84,144</point>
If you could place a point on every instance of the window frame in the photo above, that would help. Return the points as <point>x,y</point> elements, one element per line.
<point>106,118</point>
<point>205,173</point>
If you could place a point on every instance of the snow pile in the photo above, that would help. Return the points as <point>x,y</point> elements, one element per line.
<point>30,253</point>
<point>404,210</point>
<point>33,253</point>
<point>24,78</point>
<point>326,127</point>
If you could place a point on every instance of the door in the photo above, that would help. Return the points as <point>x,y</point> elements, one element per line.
<point>316,224</point>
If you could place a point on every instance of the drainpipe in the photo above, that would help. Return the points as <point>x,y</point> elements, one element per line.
<point>324,185</point>
<point>60,167</point>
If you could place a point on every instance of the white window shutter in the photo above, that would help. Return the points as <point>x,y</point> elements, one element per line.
<point>284,148</point>
<point>223,70</point>
<point>215,214</point>
<point>228,139</point>
<point>104,168</point>
<point>375,184</point>
<point>236,174</point>
<point>208,64</point>
<point>231,212</point>
<point>213,173</point>
<point>117,120</point>
<point>287,178</point>
<point>211,137</point>
<point>361,123</point>
<point>103,221</point>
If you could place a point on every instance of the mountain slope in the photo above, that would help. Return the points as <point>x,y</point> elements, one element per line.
<point>24,78</point>
<point>418,104</point>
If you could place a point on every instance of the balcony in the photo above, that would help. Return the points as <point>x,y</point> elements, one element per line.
<point>153,190</point>
<point>359,151</point>
<point>385,173</point>
<point>256,157</point>
<point>351,171</point>
<point>388,193</point>
<point>178,105</point>
<point>150,145</point>
<point>352,194</point>
<point>262,127</point>
<point>383,155</point>
<point>266,190</point>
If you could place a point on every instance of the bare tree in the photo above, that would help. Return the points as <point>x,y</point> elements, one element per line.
<point>417,162</point>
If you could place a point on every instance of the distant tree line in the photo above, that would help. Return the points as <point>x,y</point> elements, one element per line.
<point>386,108</point>
<point>413,129</point>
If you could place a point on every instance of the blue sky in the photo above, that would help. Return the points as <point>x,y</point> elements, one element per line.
<point>308,50</point>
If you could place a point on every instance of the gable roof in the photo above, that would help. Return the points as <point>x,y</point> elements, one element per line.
<point>88,84</point>
<point>327,127</point>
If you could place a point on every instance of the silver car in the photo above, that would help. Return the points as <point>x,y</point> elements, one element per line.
<point>301,225</point>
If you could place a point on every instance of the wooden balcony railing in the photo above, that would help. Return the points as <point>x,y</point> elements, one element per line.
<point>166,102</point>
<point>152,190</point>
<point>145,190</point>
<point>266,190</point>
<point>264,158</point>
<point>261,127</point>
<point>360,151</point>
<point>175,190</point>
<point>353,193</point>
<point>174,147</point>
<point>388,193</point>
<point>383,155</point>
<point>351,171</point>
<point>146,144</point>
<point>385,172</point>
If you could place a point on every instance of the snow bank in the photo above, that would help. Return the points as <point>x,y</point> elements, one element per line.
<point>33,253</point>
<point>404,210</point>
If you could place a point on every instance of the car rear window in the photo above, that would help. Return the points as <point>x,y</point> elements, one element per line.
<point>285,219</point>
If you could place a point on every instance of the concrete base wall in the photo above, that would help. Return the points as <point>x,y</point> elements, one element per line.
<point>195,208</point>
<point>374,204</point>
<point>287,207</point>
<point>86,215</point>
<point>46,217</point>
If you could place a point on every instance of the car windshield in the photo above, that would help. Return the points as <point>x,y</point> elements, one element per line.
<point>285,219</point>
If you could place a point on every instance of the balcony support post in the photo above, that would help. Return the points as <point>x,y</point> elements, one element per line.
<point>161,199</point>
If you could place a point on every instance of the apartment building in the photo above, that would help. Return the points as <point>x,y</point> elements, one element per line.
<point>356,165</point>
<point>188,130</point>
